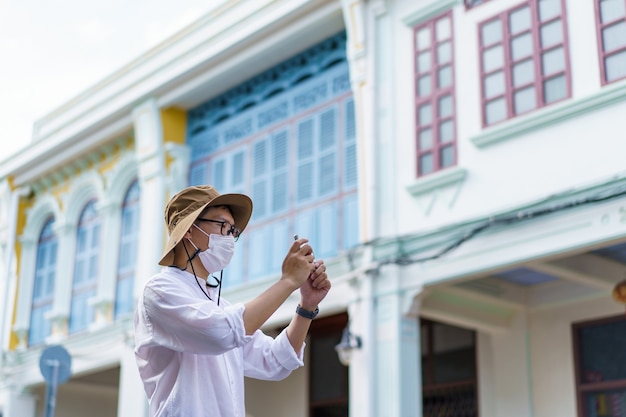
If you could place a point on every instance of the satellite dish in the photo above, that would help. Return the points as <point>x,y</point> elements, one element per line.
<point>55,364</point>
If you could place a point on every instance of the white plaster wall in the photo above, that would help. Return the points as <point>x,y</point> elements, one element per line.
<point>584,149</point>
<point>503,372</point>
<point>552,356</point>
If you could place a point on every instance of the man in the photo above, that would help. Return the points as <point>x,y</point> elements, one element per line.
<point>193,348</point>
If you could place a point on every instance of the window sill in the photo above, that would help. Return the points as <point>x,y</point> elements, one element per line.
<point>549,115</point>
<point>445,178</point>
<point>433,9</point>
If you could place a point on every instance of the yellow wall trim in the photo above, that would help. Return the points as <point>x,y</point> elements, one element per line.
<point>174,124</point>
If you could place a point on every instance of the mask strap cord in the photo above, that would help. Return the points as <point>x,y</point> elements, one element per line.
<point>219,291</point>
<point>189,258</point>
<point>218,285</point>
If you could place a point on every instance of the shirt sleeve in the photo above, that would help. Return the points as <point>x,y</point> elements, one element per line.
<point>271,358</point>
<point>184,323</point>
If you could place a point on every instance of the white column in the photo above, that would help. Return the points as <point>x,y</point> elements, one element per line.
<point>152,174</point>
<point>362,375</point>
<point>8,287</point>
<point>17,403</point>
<point>359,50</point>
<point>132,401</point>
<point>511,384</point>
<point>25,293</point>
<point>398,373</point>
<point>485,371</point>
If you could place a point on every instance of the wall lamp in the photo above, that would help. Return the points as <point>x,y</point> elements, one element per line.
<point>346,345</point>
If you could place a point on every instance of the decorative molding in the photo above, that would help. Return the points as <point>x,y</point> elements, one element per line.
<point>546,117</point>
<point>435,8</point>
<point>291,87</point>
<point>445,178</point>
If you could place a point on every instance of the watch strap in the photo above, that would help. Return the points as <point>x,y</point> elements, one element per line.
<point>306,313</point>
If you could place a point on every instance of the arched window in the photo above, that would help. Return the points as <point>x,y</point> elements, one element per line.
<point>128,251</point>
<point>43,290</point>
<point>85,268</point>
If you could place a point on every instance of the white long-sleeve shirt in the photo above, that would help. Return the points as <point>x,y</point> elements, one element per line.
<point>193,354</point>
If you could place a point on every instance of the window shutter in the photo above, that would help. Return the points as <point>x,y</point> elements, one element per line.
<point>328,131</point>
<point>350,162</point>
<point>219,174</point>
<point>258,260</point>
<point>327,181</point>
<point>233,274</point>
<point>280,242</point>
<point>280,166</point>
<point>306,175</point>
<point>326,245</point>
<point>328,178</point>
<point>197,175</point>
<point>238,169</point>
<point>259,187</point>
<point>305,225</point>
<point>350,221</point>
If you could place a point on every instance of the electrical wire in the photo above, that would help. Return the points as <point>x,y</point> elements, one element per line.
<point>505,221</point>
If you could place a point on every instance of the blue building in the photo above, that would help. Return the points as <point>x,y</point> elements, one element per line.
<point>457,164</point>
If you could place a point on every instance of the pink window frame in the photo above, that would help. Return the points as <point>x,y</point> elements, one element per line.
<point>470,7</point>
<point>538,50</point>
<point>603,55</point>
<point>435,95</point>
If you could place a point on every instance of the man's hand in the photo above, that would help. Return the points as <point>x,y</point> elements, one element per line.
<point>314,290</point>
<point>298,263</point>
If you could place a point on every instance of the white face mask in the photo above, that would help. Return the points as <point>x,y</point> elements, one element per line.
<point>218,254</point>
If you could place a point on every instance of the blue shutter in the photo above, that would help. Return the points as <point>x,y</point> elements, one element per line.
<point>350,221</point>
<point>237,170</point>
<point>198,175</point>
<point>305,171</point>
<point>287,159</point>
<point>328,130</point>
<point>327,182</point>
<point>305,225</point>
<point>305,139</point>
<point>328,178</point>
<point>326,244</point>
<point>260,158</point>
<point>233,273</point>
<point>350,161</point>
<point>259,248</point>
<point>124,296</point>
<point>280,167</point>
<point>219,175</point>
<point>259,187</point>
<point>349,121</point>
<point>280,242</point>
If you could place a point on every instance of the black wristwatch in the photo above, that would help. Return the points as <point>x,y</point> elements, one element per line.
<point>306,313</point>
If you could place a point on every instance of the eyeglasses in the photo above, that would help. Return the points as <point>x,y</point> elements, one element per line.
<point>226,229</point>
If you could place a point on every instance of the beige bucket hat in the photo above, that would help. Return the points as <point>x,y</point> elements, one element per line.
<point>184,208</point>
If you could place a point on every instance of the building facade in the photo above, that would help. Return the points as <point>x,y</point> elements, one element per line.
<point>457,164</point>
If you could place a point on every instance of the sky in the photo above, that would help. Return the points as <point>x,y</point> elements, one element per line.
<point>51,50</point>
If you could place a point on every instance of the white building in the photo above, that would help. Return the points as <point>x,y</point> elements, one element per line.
<point>458,164</point>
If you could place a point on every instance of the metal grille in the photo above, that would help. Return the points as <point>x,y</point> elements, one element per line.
<point>450,401</point>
